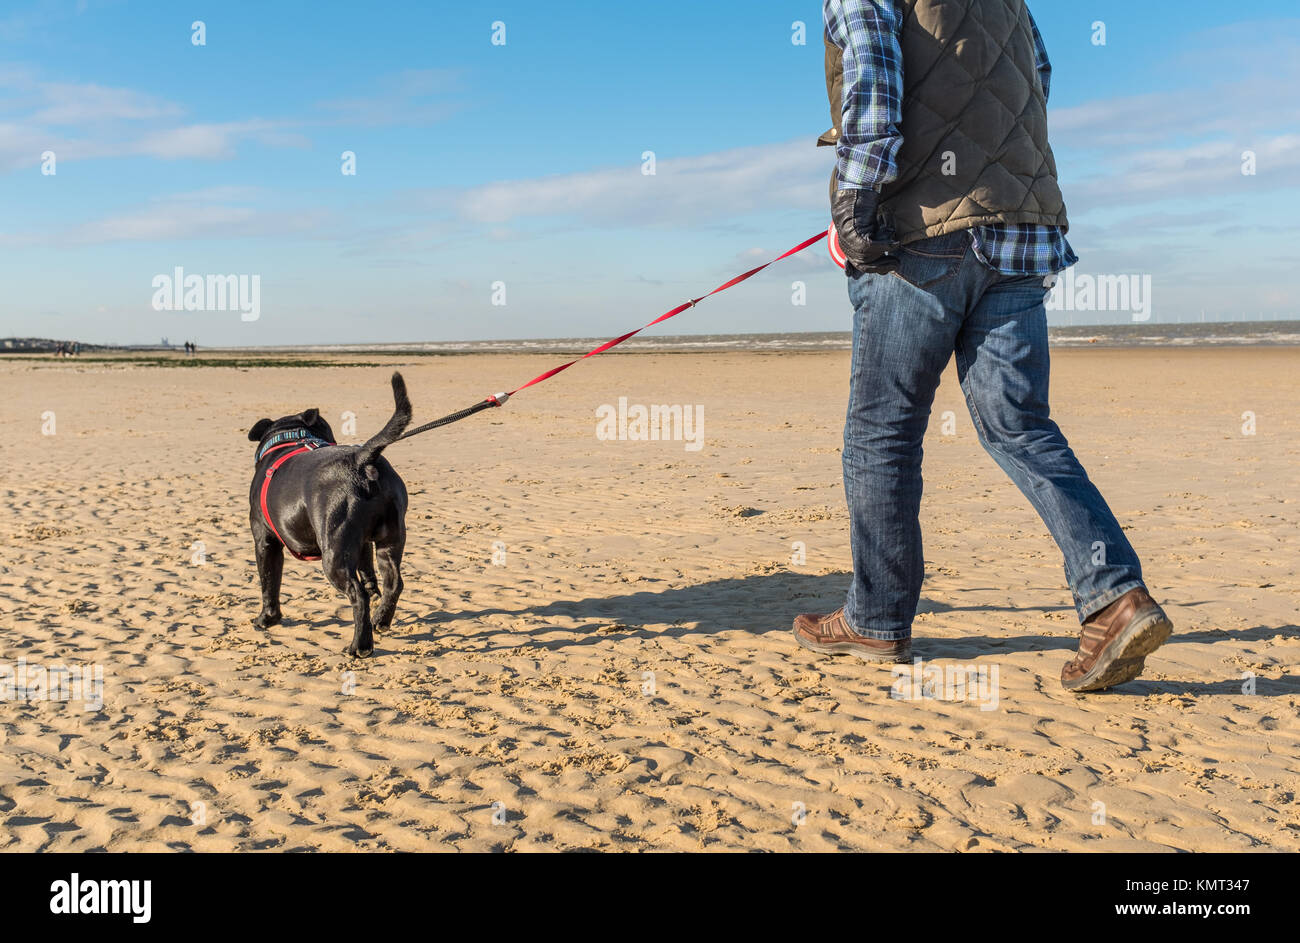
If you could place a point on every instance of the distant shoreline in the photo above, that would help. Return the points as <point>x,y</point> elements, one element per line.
<point>1213,334</point>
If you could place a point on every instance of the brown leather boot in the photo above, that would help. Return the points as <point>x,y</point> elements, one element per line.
<point>1114,643</point>
<point>831,635</point>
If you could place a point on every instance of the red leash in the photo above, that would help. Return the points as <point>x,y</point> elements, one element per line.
<point>670,314</point>
<point>500,398</point>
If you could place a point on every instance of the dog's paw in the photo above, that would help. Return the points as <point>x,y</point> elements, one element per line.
<point>265,620</point>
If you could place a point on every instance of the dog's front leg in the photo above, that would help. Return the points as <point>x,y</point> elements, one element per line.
<point>270,567</point>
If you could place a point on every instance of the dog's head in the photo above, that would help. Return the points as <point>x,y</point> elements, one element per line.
<point>310,419</point>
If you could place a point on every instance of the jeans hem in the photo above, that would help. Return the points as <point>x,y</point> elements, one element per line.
<point>895,636</point>
<point>1100,602</point>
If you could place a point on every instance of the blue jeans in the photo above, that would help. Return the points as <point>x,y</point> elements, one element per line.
<point>943,299</point>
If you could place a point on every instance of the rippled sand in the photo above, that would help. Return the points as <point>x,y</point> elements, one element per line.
<point>622,675</point>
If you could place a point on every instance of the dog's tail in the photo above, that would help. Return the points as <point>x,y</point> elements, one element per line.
<point>396,425</point>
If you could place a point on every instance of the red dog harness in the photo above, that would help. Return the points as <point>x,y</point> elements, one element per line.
<point>298,448</point>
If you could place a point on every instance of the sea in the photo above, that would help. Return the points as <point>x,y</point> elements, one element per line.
<point>1222,334</point>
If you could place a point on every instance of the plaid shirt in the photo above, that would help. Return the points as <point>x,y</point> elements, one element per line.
<point>868,32</point>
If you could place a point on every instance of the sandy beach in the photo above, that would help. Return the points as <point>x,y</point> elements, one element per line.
<point>593,649</point>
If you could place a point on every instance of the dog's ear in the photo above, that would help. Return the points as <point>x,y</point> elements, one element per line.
<point>259,429</point>
<point>310,416</point>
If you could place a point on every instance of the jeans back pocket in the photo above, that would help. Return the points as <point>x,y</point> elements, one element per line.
<point>929,262</point>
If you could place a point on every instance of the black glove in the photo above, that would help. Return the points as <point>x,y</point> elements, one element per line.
<point>861,239</point>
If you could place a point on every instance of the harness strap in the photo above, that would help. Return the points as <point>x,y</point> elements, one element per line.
<point>266,486</point>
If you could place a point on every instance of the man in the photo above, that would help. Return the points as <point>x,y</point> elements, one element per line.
<point>947,208</point>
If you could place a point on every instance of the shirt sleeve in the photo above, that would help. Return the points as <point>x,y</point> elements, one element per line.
<point>872,109</point>
<point>1043,64</point>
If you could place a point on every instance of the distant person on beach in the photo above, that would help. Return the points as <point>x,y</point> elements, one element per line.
<point>948,211</point>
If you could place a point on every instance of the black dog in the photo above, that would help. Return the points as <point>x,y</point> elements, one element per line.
<point>341,504</point>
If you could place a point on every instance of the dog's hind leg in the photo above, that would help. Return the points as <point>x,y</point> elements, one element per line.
<point>389,558</point>
<point>344,572</point>
<point>270,567</point>
<point>367,567</point>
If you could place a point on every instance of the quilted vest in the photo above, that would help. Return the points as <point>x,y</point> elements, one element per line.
<point>974,121</point>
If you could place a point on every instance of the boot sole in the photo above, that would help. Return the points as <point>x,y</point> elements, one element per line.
<point>852,648</point>
<point>1125,658</point>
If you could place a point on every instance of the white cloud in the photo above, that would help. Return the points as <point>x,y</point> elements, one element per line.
<point>684,191</point>
<point>411,98</point>
<point>85,120</point>
<point>1188,142</point>
<point>1205,172</point>
<point>216,213</point>
<point>163,223</point>
<point>68,103</point>
<point>210,141</point>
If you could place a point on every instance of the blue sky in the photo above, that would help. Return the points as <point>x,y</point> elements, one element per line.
<point>521,163</point>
